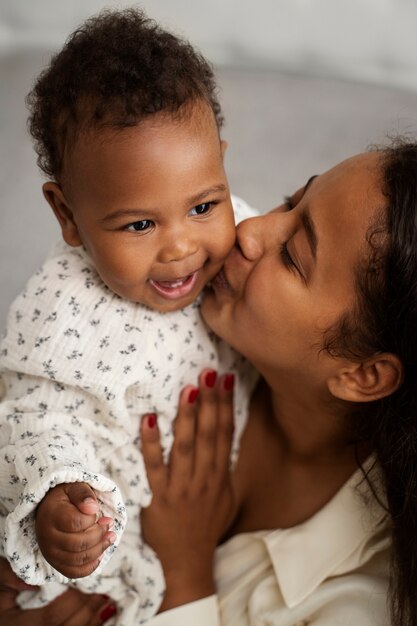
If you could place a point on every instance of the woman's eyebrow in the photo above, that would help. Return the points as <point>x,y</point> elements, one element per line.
<point>308,223</point>
<point>308,183</point>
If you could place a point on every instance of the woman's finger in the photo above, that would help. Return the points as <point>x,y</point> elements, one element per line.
<point>206,429</point>
<point>72,608</point>
<point>225,424</point>
<point>156,469</point>
<point>9,581</point>
<point>7,601</point>
<point>94,611</point>
<point>10,586</point>
<point>181,461</point>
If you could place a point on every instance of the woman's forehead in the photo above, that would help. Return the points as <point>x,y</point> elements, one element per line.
<point>343,204</point>
<point>360,168</point>
<point>354,185</point>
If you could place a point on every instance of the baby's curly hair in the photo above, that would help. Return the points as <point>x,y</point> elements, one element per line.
<point>116,69</point>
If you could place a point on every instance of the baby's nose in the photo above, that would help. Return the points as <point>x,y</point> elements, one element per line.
<point>177,248</point>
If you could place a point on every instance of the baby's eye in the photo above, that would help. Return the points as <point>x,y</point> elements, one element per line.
<point>201,209</point>
<point>139,226</point>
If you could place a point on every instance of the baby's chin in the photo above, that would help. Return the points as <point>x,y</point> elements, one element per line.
<point>170,306</point>
<point>156,302</point>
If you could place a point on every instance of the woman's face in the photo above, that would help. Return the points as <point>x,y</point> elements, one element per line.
<point>291,276</point>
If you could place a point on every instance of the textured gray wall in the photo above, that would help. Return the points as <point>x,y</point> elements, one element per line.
<point>284,122</point>
<point>281,128</point>
<point>371,40</point>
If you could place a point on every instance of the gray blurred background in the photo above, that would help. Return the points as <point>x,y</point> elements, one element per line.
<point>304,83</point>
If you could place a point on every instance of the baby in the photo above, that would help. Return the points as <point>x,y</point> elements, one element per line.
<point>126,124</point>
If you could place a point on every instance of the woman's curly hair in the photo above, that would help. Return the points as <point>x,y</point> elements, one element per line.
<point>385,321</point>
<point>116,69</point>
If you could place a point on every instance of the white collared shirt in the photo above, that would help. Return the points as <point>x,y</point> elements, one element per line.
<point>332,570</point>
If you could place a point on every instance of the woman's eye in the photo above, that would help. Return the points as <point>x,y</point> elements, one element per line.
<point>139,226</point>
<point>287,259</point>
<point>201,209</point>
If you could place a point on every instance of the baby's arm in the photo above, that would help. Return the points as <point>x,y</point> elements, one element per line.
<point>42,450</point>
<point>69,532</point>
<point>63,409</point>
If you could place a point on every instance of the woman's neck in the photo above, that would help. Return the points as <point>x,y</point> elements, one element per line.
<point>294,457</point>
<point>310,428</point>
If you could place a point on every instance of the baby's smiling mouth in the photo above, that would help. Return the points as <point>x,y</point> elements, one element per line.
<point>177,288</point>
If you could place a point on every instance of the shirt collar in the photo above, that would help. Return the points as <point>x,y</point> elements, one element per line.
<point>340,537</point>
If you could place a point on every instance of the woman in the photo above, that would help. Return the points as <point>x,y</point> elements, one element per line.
<point>321,296</point>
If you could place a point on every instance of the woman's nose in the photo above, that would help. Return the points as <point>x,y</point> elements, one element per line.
<point>261,235</point>
<point>249,237</point>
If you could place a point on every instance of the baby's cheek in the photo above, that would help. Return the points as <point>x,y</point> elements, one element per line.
<point>226,235</point>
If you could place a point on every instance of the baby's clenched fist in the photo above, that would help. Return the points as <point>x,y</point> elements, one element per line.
<point>70,532</point>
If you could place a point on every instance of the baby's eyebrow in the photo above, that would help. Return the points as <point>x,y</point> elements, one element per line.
<point>206,192</point>
<point>144,213</point>
<point>126,213</point>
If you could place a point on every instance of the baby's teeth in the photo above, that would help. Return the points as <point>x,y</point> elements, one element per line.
<point>174,283</point>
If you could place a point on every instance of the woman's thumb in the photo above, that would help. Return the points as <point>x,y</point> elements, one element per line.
<point>83,497</point>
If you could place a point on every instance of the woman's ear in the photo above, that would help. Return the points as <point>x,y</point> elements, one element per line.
<point>56,199</point>
<point>373,379</point>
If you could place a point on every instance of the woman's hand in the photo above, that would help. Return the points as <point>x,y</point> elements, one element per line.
<point>193,501</point>
<point>72,608</point>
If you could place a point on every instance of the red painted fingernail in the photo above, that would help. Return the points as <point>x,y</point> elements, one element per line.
<point>108,612</point>
<point>151,417</point>
<point>210,379</point>
<point>229,382</point>
<point>193,395</point>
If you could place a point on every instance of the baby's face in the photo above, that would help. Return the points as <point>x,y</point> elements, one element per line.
<point>151,205</point>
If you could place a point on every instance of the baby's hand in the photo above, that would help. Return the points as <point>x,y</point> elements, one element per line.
<point>70,534</point>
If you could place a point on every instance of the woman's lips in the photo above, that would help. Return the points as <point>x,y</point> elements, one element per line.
<point>220,282</point>
<point>178,288</point>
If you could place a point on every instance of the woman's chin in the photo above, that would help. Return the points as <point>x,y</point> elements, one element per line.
<point>211,310</point>
<point>207,304</point>
<point>217,315</point>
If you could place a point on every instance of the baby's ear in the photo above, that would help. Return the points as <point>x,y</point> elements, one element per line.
<point>56,199</point>
<point>372,379</point>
